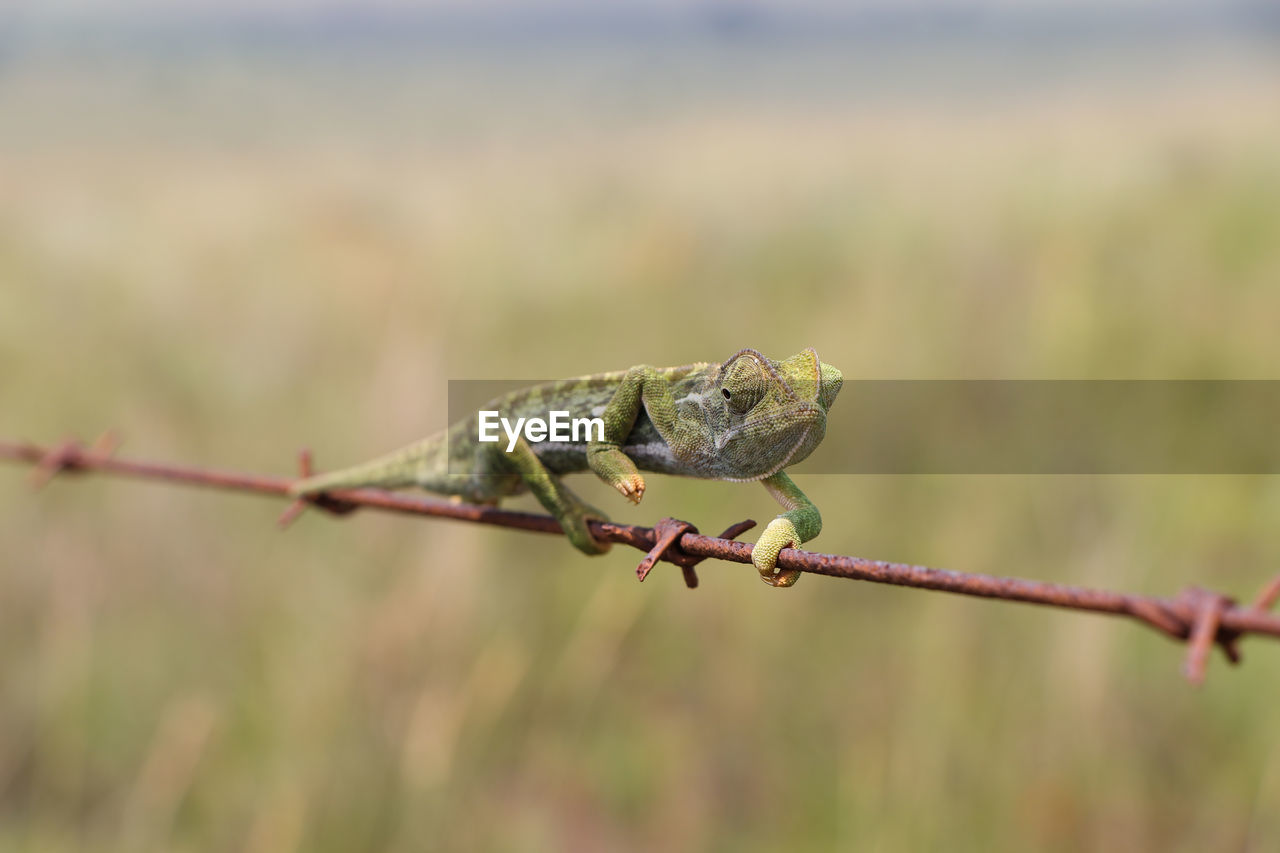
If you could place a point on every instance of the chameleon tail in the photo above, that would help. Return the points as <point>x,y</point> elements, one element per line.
<point>404,467</point>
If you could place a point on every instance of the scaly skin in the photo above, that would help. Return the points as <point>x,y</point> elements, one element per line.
<point>741,420</point>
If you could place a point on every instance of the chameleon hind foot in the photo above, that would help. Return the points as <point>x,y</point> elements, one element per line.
<point>578,530</point>
<point>576,523</point>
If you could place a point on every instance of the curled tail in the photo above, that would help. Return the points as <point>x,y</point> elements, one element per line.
<point>404,467</point>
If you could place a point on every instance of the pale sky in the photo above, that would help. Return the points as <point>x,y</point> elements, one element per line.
<point>99,9</point>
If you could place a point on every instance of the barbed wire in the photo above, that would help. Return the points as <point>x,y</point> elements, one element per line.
<point>1200,617</point>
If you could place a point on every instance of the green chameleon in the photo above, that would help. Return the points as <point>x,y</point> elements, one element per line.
<point>741,420</point>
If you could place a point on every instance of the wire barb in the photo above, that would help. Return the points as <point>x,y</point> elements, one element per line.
<point>1199,617</point>
<point>299,505</point>
<point>1208,608</point>
<point>321,500</point>
<point>69,456</point>
<point>1267,596</point>
<point>668,532</point>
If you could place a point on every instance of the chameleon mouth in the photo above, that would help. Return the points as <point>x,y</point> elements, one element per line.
<point>800,442</point>
<point>812,415</point>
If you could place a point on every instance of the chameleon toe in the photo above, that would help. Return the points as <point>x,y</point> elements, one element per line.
<point>631,488</point>
<point>782,578</point>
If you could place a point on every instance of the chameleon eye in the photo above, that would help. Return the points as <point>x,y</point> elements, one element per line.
<point>743,385</point>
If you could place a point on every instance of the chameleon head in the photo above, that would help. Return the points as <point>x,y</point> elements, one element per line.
<point>774,413</point>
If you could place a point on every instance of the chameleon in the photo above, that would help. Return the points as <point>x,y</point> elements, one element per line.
<point>740,420</point>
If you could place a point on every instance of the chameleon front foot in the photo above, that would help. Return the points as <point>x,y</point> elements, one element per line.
<point>629,485</point>
<point>781,533</point>
<point>616,468</point>
<point>632,489</point>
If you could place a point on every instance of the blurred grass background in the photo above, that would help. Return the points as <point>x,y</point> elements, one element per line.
<point>231,243</point>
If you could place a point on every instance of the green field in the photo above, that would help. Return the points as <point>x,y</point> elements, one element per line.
<point>228,255</point>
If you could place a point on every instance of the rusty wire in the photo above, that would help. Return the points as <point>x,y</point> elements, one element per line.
<point>1199,617</point>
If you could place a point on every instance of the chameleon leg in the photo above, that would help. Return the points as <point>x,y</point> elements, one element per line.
<point>800,523</point>
<point>569,509</point>
<point>641,386</point>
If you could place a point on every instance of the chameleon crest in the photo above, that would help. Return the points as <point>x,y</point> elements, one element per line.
<point>744,419</point>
